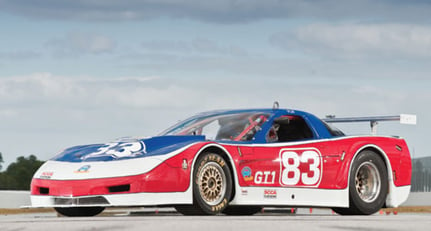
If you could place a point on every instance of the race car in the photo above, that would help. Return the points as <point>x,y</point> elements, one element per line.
<point>233,162</point>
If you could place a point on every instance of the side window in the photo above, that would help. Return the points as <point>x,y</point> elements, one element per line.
<point>210,130</point>
<point>289,128</point>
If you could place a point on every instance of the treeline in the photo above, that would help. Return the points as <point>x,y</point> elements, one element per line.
<point>421,175</point>
<point>18,175</point>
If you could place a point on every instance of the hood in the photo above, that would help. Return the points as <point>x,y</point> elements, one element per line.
<point>126,149</point>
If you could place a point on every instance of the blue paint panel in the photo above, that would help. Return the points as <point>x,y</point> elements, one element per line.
<point>121,150</point>
<point>164,144</point>
<point>318,128</point>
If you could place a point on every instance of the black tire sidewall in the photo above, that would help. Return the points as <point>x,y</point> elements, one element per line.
<point>242,210</point>
<point>79,211</point>
<point>357,205</point>
<point>197,199</point>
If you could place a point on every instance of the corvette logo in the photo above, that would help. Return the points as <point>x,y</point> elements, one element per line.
<point>83,169</point>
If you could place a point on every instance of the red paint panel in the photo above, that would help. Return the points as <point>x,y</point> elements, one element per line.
<point>161,179</point>
<point>264,166</point>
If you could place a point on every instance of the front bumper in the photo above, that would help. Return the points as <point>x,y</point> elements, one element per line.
<point>126,200</point>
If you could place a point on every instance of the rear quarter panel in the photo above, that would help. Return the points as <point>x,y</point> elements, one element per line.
<point>393,150</point>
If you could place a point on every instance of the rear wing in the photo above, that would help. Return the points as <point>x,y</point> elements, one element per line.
<point>403,118</point>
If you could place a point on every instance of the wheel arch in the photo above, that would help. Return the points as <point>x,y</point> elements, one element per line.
<point>375,149</point>
<point>218,149</point>
<point>382,154</point>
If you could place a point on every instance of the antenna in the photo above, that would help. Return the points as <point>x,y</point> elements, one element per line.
<point>276,105</point>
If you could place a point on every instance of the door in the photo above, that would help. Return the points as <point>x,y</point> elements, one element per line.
<point>291,158</point>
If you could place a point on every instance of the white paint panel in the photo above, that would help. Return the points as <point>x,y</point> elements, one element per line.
<point>397,196</point>
<point>58,170</point>
<point>123,200</point>
<point>292,197</point>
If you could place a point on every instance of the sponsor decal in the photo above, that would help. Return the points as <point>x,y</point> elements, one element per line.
<point>220,206</point>
<point>83,169</point>
<point>118,150</point>
<point>270,193</point>
<point>46,175</point>
<point>247,173</point>
<point>184,164</point>
<point>264,177</point>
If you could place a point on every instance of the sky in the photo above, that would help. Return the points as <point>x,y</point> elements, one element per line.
<point>90,71</point>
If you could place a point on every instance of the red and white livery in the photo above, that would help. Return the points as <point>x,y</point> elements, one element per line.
<point>232,162</point>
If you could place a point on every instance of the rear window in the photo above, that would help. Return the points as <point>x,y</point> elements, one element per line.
<point>333,130</point>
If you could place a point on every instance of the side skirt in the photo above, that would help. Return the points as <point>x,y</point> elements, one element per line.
<point>291,197</point>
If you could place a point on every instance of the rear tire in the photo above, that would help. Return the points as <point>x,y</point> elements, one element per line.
<point>368,185</point>
<point>212,186</point>
<point>79,211</point>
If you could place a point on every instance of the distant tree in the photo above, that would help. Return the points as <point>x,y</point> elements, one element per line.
<point>1,161</point>
<point>5,181</point>
<point>418,166</point>
<point>18,175</point>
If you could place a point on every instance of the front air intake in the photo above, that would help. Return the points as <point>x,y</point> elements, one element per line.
<point>43,191</point>
<point>97,200</point>
<point>119,188</point>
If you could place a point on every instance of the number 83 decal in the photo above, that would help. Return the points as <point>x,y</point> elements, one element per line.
<point>300,167</point>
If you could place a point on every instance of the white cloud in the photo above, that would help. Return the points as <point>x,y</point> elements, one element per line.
<point>357,40</point>
<point>201,46</point>
<point>75,44</point>
<point>48,89</point>
<point>51,112</point>
<point>35,87</point>
<point>7,113</point>
<point>19,55</point>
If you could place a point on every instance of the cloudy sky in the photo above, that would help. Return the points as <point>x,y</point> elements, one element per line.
<point>86,71</point>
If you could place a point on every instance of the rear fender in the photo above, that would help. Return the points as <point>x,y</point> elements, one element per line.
<point>396,195</point>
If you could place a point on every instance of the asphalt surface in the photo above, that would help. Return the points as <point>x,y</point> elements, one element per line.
<point>168,220</point>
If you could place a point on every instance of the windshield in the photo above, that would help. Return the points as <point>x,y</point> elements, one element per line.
<point>237,127</point>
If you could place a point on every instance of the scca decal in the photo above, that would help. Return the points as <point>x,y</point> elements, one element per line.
<point>300,167</point>
<point>270,193</point>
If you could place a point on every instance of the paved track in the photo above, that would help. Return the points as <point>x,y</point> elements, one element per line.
<point>172,221</point>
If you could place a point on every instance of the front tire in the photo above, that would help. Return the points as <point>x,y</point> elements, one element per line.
<point>212,186</point>
<point>240,210</point>
<point>79,211</point>
<point>368,185</point>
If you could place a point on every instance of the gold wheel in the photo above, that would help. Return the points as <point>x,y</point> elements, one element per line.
<point>212,183</point>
